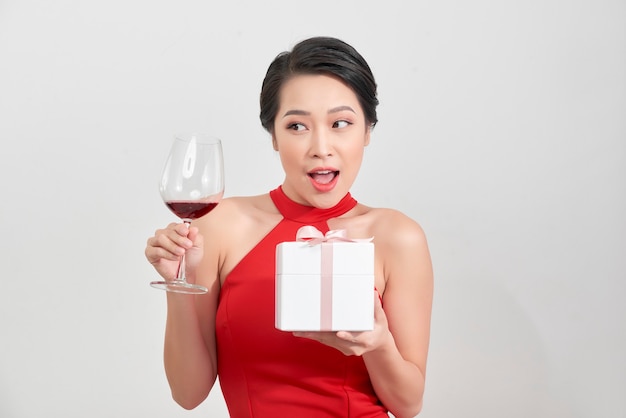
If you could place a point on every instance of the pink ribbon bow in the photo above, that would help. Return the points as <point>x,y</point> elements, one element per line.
<point>314,236</point>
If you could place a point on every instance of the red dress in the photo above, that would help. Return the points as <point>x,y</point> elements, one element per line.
<point>267,373</point>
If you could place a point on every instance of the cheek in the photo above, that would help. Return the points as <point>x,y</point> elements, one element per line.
<point>357,153</point>
<point>288,156</point>
<point>356,159</point>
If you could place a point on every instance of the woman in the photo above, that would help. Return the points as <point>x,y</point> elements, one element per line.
<point>318,102</point>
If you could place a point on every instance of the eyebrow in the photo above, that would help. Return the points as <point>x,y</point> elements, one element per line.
<point>305,113</point>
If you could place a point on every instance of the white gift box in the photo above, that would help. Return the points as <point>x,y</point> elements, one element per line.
<point>325,286</point>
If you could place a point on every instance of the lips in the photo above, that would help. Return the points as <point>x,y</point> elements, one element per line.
<point>323,176</point>
<point>323,179</point>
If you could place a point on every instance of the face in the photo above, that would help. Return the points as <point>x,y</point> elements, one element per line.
<point>320,133</point>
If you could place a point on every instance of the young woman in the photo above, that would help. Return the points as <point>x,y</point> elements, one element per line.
<point>318,102</point>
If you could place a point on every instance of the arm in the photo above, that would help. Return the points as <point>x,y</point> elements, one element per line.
<point>397,365</point>
<point>189,348</point>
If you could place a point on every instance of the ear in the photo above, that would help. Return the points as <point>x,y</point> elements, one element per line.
<point>368,133</point>
<point>274,143</point>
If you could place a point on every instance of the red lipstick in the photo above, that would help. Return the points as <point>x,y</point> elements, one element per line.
<point>323,179</point>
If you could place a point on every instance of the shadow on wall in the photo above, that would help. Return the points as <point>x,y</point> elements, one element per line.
<point>486,358</point>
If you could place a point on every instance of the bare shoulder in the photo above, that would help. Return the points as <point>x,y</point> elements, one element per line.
<point>402,254</point>
<point>237,211</point>
<point>392,228</point>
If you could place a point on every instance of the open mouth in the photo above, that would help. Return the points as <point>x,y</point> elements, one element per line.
<point>323,176</point>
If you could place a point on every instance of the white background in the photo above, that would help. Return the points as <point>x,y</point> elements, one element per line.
<point>502,131</point>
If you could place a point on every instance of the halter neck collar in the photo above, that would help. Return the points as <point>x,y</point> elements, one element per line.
<point>309,214</point>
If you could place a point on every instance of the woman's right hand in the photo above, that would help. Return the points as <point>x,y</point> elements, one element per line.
<point>166,247</point>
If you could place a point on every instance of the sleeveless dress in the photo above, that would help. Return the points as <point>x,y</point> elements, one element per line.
<point>267,373</point>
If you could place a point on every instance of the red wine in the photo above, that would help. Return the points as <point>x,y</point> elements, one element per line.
<point>190,209</point>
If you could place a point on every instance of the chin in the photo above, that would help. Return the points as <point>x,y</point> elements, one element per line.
<point>326,200</point>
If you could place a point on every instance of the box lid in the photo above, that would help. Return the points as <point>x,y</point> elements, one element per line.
<point>348,258</point>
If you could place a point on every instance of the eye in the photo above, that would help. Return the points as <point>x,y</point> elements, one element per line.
<point>296,127</point>
<point>341,124</point>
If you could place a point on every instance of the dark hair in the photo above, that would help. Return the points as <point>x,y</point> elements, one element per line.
<point>319,55</point>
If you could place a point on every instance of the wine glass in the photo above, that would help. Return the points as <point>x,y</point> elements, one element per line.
<point>191,186</point>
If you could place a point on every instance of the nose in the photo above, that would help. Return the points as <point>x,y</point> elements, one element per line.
<point>321,144</point>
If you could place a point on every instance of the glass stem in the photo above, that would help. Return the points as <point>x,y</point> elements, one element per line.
<point>181,266</point>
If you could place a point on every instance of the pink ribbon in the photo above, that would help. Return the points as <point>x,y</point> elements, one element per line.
<point>314,236</point>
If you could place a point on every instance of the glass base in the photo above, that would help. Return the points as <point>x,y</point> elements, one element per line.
<point>180,286</point>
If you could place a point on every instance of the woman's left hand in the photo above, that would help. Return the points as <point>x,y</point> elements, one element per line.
<point>354,343</point>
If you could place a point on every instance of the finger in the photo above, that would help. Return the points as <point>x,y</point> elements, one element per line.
<point>178,233</point>
<point>195,236</point>
<point>182,228</point>
<point>348,336</point>
<point>170,242</point>
<point>303,334</point>
<point>173,231</point>
<point>156,254</point>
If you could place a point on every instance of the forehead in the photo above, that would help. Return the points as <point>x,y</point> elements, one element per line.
<point>304,91</point>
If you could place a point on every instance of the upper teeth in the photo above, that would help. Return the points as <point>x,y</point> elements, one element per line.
<point>323,172</point>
